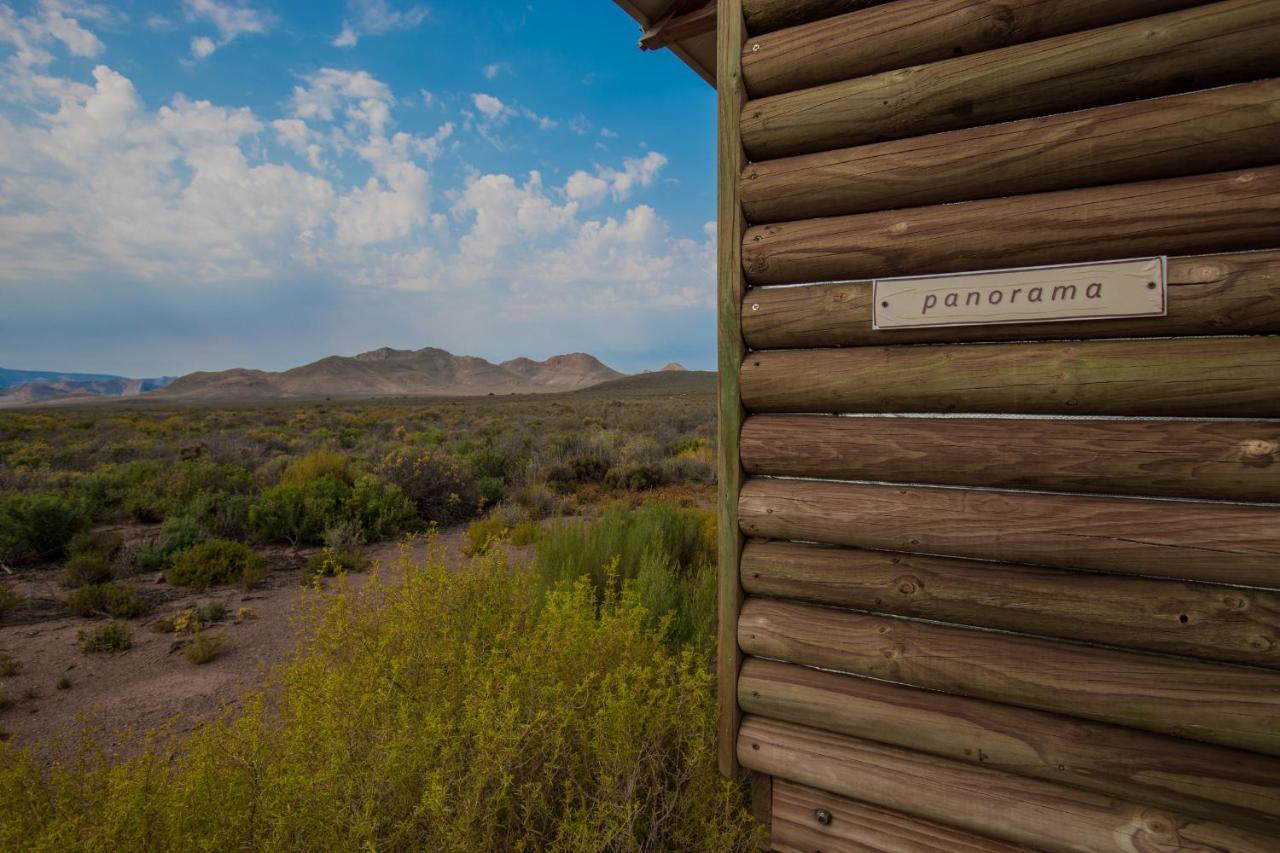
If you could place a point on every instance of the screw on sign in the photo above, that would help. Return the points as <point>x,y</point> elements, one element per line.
<point>822,816</point>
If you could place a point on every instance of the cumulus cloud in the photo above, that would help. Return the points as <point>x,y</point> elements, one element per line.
<point>490,107</point>
<point>493,70</point>
<point>376,17</point>
<point>592,188</point>
<point>229,20</point>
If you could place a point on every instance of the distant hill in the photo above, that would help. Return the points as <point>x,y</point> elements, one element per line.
<point>19,387</point>
<point>661,382</point>
<point>391,372</point>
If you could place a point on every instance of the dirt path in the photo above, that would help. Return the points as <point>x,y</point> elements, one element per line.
<point>152,682</point>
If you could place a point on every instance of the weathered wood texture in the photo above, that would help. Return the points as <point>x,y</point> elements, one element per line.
<point>1015,809</point>
<point>1226,460</point>
<point>730,348</point>
<point>1192,619</point>
<point>1228,42</point>
<point>913,32</point>
<point>1207,295</point>
<point>1180,377</point>
<point>856,827</point>
<point>1222,212</point>
<point>1216,543</point>
<point>1234,127</point>
<point>1211,782</point>
<point>764,16</point>
<point>1235,706</point>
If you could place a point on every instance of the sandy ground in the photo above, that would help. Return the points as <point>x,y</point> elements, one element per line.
<point>153,682</point>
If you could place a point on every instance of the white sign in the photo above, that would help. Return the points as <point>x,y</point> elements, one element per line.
<point>1101,291</point>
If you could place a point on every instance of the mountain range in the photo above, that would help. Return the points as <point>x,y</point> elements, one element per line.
<point>379,373</point>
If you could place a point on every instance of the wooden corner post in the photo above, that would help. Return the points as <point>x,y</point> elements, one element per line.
<point>731,226</point>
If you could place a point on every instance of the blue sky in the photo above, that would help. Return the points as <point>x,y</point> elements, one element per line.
<point>202,184</point>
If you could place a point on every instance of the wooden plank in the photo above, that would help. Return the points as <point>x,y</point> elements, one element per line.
<point>913,32</point>
<point>1211,782</point>
<point>1228,42</point>
<point>854,827</point>
<point>1211,542</point>
<point>730,349</point>
<point>1207,295</point>
<point>763,16</point>
<point>1014,809</point>
<point>1233,127</point>
<point>762,803</point>
<point>1216,460</point>
<point>684,20</point>
<point>1177,377</point>
<point>1222,212</point>
<point>1192,619</point>
<point>1235,706</point>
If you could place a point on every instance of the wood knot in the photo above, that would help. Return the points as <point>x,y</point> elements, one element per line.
<point>908,586</point>
<point>1258,452</point>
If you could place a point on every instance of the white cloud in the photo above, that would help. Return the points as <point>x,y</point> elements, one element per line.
<point>493,70</point>
<point>355,93</point>
<point>376,17</point>
<point>490,107</point>
<point>593,188</point>
<point>50,23</point>
<point>230,20</point>
<point>202,47</point>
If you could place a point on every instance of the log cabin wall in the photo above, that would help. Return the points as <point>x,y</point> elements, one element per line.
<point>1001,587</point>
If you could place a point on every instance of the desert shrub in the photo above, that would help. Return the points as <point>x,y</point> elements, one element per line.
<point>298,513</point>
<point>203,648</point>
<point>85,569</point>
<point>214,563</point>
<point>107,599</point>
<point>39,526</point>
<point>108,545</point>
<point>482,534</point>
<point>111,487</point>
<point>313,466</point>
<point>9,599</point>
<point>8,666</point>
<point>439,485</point>
<point>110,638</point>
<point>490,491</point>
<point>662,553</point>
<point>380,510</point>
<point>343,551</point>
<point>635,476</point>
<point>468,716</point>
<point>582,469</point>
<point>192,620</point>
<point>525,533</point>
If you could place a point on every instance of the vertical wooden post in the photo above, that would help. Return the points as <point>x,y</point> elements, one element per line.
<point>731,225</point>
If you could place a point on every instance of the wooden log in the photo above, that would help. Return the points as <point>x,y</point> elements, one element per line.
<point>1211,542</point>
<point>1192,619</point>
<point>1216,460</point>
<point>1207,295</point>
<point>1228,42</point>
<point>854,827</point>
<point>913,32</point>
<point>763,16</point>
<point>1235,706</point>
<point>730,286</point>
<point>1223,212</point>
<point>1233,127</point>
<point>1177,377</point>
<point>1211,782</point>
<point>1011,808</point>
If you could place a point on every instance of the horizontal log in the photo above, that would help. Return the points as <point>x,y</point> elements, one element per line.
<point>1223,212</point>
<point>854,827</point>
<point>1227,705</point>
<point>1222,460</point>
<point>1228,42</point>
<point>1192,619</point>
<point>1211,542</point>
<point>1177,377</point>
<point>1211,782</point>
<point>763,16</point>
<point>1233,127</point>
<point>913,32</point>
<point>1206,295</point>
<point>1021,811</point>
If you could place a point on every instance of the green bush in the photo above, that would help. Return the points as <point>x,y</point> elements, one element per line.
<point>439,485</point>
<point>9,599</point>
<point>441,710</point>
<point>380,510</point>
<point>107,599</point>
<point>107,545</point>
<point>334,561</point>
<point>214,563</point>
<point>203,648</point>
<point>39,526</point>
<point>634,477</point>
<point>482,534</point>
<point>110,638</point>
<point>86,568</point>
<point>300,513</point>
<point>313,466</point>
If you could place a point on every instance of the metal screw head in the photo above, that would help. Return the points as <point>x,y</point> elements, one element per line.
<point>755,307</point>
<point>755,48</point>
<point>822,816</point>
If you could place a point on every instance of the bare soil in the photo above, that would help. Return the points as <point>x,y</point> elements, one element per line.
<point>153,682</point>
